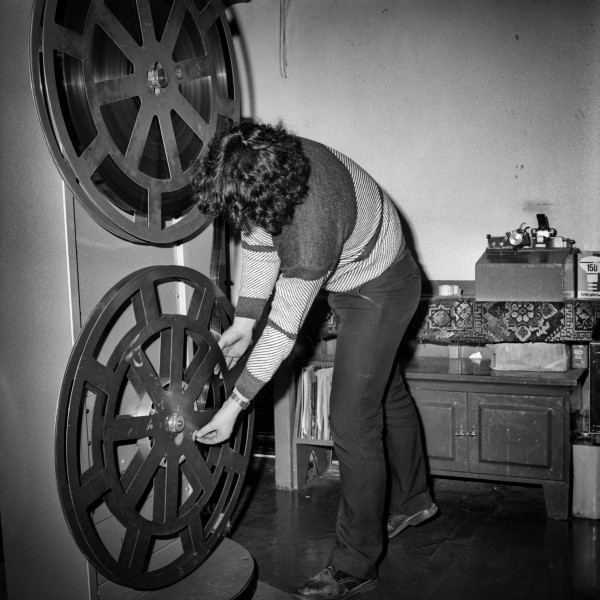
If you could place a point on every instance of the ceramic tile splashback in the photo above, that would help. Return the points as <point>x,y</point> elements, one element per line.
<point>464,319</point>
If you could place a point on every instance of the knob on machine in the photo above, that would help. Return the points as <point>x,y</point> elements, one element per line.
<point>146,503</point>
<point>129,93</point>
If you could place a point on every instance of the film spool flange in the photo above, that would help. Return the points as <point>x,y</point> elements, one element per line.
<point>144,502</point>
<point>129,93</point>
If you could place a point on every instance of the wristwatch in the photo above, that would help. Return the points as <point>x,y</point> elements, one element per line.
<point>241,401</point>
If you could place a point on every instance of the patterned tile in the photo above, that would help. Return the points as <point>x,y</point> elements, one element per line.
<point>463,314</point>
<point>464,319</point>
<point>522,321</point>
<point>584,315</point>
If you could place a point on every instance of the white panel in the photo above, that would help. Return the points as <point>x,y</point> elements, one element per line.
<point>36,336</point>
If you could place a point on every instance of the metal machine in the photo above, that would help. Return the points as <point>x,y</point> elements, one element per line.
<point>522,265</point>
<point>129,93</point>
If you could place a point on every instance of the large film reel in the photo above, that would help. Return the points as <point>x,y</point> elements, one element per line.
<point>129,93</point>
<point>144,502</point>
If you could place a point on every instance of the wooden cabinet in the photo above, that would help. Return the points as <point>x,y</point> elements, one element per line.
<point>444,419</point>
<point>495,434</point>
<point>507,426</point>
<point>519,436</point>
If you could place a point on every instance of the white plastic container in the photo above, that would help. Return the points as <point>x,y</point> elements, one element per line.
<point>586,481</point>
<point>530,356</point>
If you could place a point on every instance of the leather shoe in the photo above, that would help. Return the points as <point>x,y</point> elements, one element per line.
<point>396,523</point>
<point>332,584</point>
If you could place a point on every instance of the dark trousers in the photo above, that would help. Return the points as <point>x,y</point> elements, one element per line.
<point>374,423</point>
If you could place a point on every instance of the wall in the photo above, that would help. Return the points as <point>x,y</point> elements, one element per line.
<point>36,331</point>
<point>474,115</point>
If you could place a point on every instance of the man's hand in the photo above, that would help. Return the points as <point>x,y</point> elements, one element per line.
<point>235,341</point>
<point>221,425</point>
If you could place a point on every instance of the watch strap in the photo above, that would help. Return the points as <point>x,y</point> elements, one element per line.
<point>239,400</point>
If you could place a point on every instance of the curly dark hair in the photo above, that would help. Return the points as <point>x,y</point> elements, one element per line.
<point>253,173</point>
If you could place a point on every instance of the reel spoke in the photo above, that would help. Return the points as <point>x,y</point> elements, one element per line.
<point>172,490</point>
<point>170,142</point>
<point>132,470</point>
<point>197,537</point>
<point>146,23</point>
<point>92,157</point>
<point>207,17</point>
<point>177,354</point>
<point>98,375</point>
<point>225,107</point>
<point>128,428</point>
<point>70,42</point>
<point>134,550</point>
<point>147,302</point>
<point>201,305</point>
<point>165,357</point>
<point>138,481</point>
<point>119,35</point>
<point>140,381</point>
<point>136,383</point>
<point>91,490</point>
<point>193,69</point>
<point>158,505</point>
<point>201,472</point>
<point>193,120</point>
<point>146,374</point>
<point>154,209</point>
<point>139,137</point>
<point>204,371</point>
<point>233,460</point>
<point>173,26</point>
<point>115,90</point>
<point>196,491</point>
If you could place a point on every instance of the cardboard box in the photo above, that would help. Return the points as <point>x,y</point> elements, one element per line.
<point>588,270</point>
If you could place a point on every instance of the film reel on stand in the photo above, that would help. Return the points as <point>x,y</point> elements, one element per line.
<point>144,502</point>
<point>129,93</point>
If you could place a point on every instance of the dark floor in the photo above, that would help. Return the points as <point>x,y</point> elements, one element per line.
<point>489,541</point>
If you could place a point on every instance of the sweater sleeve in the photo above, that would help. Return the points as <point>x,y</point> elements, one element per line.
<point>292,301</point>
<point>260,268</point>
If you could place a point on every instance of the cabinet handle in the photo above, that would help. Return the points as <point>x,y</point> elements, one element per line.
<point>460,432</point>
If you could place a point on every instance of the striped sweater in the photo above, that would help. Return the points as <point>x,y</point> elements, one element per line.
<point>345,233</point>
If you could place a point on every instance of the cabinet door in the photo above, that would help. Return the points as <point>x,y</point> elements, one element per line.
<point>516,436</point>
<point>444,418</point>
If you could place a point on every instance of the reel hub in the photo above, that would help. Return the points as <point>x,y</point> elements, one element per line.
<point>158,78</point>
<point>176,423</point>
